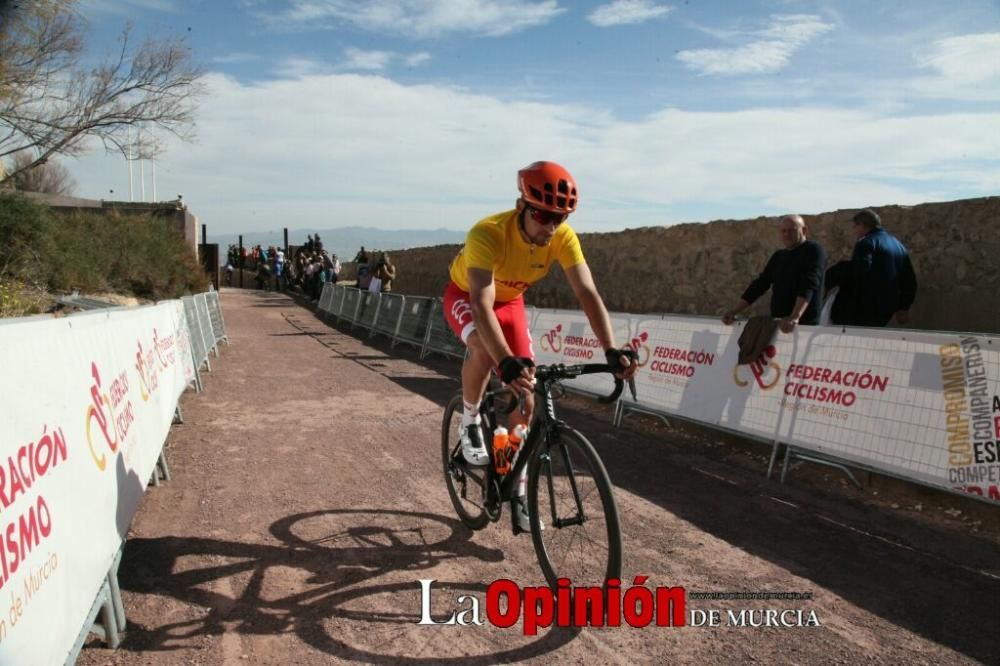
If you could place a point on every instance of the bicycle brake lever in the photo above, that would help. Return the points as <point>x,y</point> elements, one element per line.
<point>607,399</point>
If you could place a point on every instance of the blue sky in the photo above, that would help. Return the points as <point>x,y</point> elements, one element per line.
<point>418,113</point>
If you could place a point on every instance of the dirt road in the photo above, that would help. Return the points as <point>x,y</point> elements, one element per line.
<point>308,500</point>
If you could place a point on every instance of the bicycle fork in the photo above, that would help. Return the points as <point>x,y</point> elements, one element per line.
<point>581,516</point>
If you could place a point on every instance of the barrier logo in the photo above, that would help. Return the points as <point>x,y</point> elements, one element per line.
<point>638,344</point>
<point>971,418</point>
<point>164,349</point>
<point>766,372</point>
<point>552,341</point>
<point>96,411</point>
<point>148,376</point>
<point>112,411</point>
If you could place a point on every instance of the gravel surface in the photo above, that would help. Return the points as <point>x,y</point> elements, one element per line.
<point>307,500</point>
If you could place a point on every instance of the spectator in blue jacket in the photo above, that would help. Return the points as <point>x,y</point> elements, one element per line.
<point>882,279</point>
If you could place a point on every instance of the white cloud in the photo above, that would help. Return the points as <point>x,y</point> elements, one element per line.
<point>362,60</point>
<point>337,149</point>
<point>354,60</point>
<point>770,52</point>
<point>416,59</point>
<point>367,60</point>
<point>297,68</point>
<point>622,12</point>
<point>236,58</point>
<point>965,59</point>
<point>127,7</point>
<point>423,18</point>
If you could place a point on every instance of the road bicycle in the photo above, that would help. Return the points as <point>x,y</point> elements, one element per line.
<point>573,515</point>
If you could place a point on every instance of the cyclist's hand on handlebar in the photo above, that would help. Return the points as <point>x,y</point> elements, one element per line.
<point>624,361</point>
<point>518,373</point>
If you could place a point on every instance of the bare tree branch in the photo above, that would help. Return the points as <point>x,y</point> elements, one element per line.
<point>49,103</point>
<point>49,177</point>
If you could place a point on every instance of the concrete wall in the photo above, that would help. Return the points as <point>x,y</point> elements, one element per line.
<point>703,268</point>
<point>185,222</point>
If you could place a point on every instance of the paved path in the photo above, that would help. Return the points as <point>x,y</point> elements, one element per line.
<point>308,500</point>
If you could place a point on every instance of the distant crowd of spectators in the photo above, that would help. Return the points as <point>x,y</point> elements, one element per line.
<point>310,268</point>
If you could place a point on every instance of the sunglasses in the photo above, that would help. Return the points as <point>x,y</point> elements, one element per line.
<point>546,218</point>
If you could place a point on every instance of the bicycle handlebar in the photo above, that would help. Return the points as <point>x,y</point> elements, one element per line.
<point>545,374</point>
<point>557,371</point>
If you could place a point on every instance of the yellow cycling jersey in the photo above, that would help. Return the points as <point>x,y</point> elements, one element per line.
<point>495,244</point>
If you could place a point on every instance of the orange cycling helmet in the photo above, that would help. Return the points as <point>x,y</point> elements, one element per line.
<point>548,186</point>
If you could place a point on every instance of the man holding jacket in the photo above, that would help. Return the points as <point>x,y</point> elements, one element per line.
<point>794,275</point>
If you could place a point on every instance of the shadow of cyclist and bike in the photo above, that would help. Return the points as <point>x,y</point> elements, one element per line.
<point>342,561</point>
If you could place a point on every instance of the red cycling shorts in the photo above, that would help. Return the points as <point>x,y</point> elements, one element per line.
<point>511,315</point>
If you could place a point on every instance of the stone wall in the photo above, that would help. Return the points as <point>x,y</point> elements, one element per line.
<point>703,268</point>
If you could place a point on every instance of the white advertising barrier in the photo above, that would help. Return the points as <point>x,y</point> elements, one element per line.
<point>920,406</point>
<point>565,336</point>
<point>87,404</point>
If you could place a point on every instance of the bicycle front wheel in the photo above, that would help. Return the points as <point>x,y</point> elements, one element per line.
<point>574,519</point>
<point>465,485</point>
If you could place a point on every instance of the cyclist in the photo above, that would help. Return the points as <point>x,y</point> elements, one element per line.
<point>504,254</point>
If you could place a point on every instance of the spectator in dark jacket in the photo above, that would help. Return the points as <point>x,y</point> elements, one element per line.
<point>795,277</point>
<point>838,277</point>
<point>882,279</point>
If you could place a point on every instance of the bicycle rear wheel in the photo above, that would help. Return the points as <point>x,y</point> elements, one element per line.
<point>574,519</point>
<point>465,486</point>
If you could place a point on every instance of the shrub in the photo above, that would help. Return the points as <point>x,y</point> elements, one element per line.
<point>20,300</point>
<point>25,239</point>
<point>138,255</point>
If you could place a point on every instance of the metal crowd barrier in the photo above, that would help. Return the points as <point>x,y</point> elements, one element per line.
<point>206,328</point>
<point>414,320</point>
<point>325,296</point>
<point>439,337</point>
<point>367,311</point>
<point>198,352</point>
<point>337,300</point>
<point>349,307</point>
<point>419,321</point>
<point>205,323</point>
<point>215,317</point>
<point>389,315</point>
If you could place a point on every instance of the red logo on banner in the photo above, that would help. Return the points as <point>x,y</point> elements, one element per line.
<point>104,418</point>
<point>552,341</point>
<point>764,370</point>
<point>112,412</point>
<point>638,344</point>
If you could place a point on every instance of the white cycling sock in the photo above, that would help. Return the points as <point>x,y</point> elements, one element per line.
<point>470,414</point>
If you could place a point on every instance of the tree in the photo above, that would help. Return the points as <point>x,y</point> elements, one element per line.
<point>50,103</point>
<point>49,176</point>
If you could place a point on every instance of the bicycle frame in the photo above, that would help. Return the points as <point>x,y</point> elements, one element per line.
<point>554,456</point>
<point>544,424</point>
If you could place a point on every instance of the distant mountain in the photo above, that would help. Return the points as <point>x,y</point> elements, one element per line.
<point>346,241</point>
